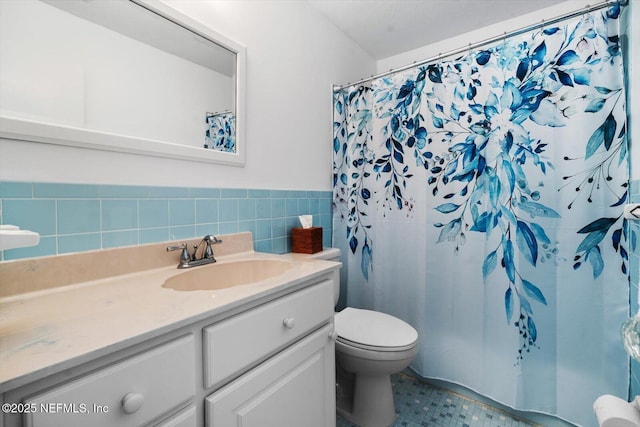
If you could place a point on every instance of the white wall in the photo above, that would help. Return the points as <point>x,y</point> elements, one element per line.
<point>293,57</point>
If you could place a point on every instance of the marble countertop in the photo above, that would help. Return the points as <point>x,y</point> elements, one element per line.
<point>47,331</point>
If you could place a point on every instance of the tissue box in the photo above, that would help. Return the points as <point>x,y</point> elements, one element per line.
<point>307,240</point>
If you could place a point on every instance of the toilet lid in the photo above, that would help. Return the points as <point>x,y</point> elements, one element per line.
<point>373,329</point>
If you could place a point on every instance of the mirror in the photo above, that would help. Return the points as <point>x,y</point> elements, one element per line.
<point>134,76</point>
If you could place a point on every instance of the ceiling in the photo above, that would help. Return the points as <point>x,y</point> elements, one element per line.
<point>385,28</point>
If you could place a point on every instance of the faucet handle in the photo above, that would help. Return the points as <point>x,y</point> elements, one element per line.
<point>175,248</point>
<point>211,239</point>
<point>184,256</point>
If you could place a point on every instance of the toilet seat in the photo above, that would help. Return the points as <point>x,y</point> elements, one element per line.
<point>373,347</point>
<point>374,331</point>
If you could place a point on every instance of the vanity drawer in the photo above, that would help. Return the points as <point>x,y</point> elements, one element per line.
<point>241,341</point>
<point>129,393</point>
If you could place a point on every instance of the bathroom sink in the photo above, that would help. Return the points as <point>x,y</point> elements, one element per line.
<point>226,274</point>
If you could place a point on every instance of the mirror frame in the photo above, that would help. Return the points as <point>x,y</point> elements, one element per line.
<point>35,131</point>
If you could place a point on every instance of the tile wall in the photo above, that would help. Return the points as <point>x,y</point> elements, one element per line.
<point>631,66</point>
<point>634,275</point>
<point>82,217</point>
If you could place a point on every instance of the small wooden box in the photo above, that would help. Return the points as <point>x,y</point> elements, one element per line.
<point>307,240</point>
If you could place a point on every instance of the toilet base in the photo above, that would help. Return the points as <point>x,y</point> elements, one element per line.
<point>365,400</point>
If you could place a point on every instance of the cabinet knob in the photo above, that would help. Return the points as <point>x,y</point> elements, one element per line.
<point>333,335</point>
<point>289,322</point>
<point>131,402</point>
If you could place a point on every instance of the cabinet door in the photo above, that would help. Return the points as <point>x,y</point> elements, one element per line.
<point>184,418</point>
<point>292,389</point>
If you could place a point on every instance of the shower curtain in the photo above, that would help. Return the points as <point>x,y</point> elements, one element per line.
<point>480,200</point>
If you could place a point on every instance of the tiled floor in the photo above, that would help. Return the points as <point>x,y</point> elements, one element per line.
<point>419,404</point>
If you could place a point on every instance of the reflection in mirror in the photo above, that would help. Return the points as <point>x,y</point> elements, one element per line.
<point>221,131</point>
<point>120,75</point>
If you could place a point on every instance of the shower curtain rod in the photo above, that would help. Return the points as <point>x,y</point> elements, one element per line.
<point>471,46</point>
<point>217,113</point>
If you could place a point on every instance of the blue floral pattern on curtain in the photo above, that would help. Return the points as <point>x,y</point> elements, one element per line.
<point>473,130</point>
<point>220,134</point>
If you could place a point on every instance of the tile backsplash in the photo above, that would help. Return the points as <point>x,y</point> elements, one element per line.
<point>634,276</point>
<point>82,217</point>
<point>634,248</point>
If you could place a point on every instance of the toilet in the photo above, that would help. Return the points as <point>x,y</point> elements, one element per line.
<point>370,347</point>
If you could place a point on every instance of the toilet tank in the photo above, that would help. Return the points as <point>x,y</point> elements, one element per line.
<point>330,254</point>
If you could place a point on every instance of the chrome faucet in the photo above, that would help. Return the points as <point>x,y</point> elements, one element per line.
<point>192,260</point>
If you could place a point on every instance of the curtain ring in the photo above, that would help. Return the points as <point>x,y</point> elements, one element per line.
<point>587,7</point>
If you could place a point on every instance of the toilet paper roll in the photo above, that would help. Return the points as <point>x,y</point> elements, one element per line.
<point>612,411</point>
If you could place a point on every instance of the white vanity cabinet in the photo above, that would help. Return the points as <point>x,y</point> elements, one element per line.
<point>294,388</point>
<point>267,361</point>
<point>238,342</point>
<point>185,418</point>
<point>129,393</point>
